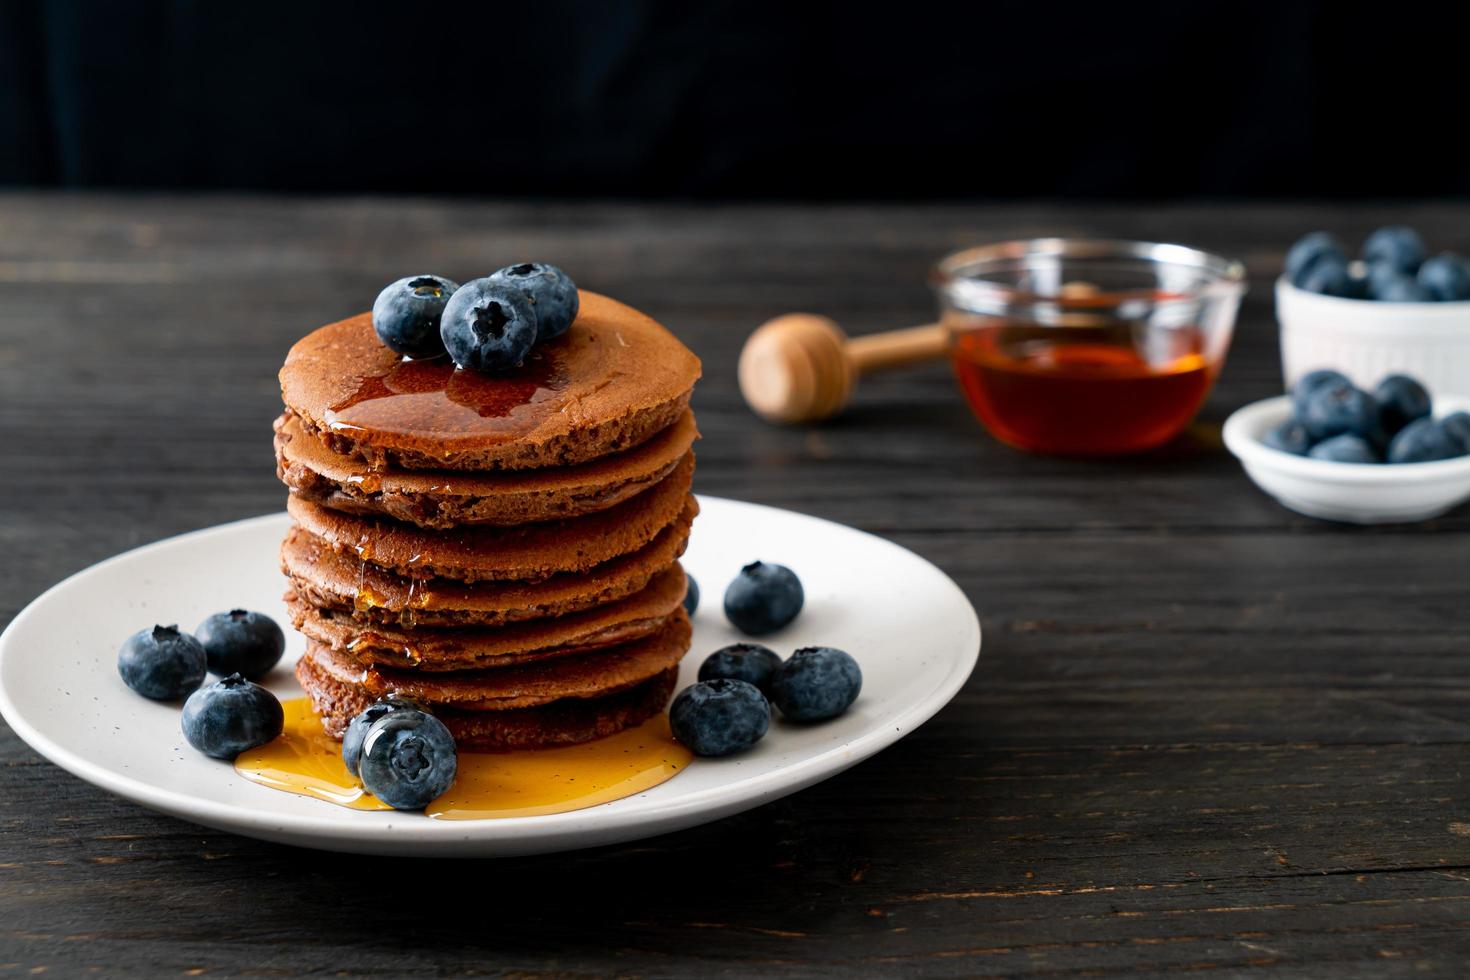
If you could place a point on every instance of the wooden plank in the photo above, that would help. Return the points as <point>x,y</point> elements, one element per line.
<point>1205,733</point>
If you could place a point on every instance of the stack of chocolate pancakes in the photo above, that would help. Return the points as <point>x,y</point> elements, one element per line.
<point>502,549</point>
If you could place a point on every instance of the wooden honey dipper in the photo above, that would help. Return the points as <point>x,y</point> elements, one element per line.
<point>802,368</point>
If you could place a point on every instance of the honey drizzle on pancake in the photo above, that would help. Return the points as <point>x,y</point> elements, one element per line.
<point>489,785</point>
<point>429,398</point>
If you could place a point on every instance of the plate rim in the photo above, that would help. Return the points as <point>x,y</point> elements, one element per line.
<point>327,828</point>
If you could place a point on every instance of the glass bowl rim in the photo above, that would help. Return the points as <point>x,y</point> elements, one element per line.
<point>958,271</point>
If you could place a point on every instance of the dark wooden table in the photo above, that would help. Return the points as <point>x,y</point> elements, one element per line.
<point>1205,733</point>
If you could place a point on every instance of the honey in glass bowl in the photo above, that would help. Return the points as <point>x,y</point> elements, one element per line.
<point>1087,348</point>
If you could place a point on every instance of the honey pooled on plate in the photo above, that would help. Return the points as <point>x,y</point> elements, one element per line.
<point>489,785</point>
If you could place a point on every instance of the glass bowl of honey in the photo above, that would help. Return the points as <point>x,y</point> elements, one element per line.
<point>1087,347</point>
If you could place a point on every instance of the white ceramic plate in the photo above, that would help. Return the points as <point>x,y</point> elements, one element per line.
<point>911,628</point>
<point>1354,493</point>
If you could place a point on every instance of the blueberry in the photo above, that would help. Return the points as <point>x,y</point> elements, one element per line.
<point>691,594</point>
<point>230,716</point>
<point>1423,441</point>
<point>763,598</point>
<point>1309,383</point>
<point>550,291</point>
<point>1337,407</point>
<point>1358,287</point>
<point>1346,448</point>
<point>162,663</point>
<point>1458,425</point>
<point>1446,277</point>
<point>1396,287</point>
<point>408,759</point>
<point>406,314</point>
<point>719,717</point>
<point>488,326</point>
<point>1397,247</point>
<point>1308,251</point>
<point>1401,400</point>
<point>1328,275</point>
<point>749,662</point>
<point>357,728</point>
<point>241,642</point>
<point>816,683</point>
<point>1289,437</point>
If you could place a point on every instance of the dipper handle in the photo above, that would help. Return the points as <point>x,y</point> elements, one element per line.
<point>898,348</point>
<point>801,367</point>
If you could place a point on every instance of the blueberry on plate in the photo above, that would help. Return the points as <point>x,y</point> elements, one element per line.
<point>357,728</point>
<point>763,598</point>
<point>1308,251</point>
<point>749,662</point>
<point>1423,441</point>
<point>1446,277</point>
<point>1337,407</point>
<point>1457,424</point>
<point>488,326</point>
<point>231,715</point>
<point>1329,276</point>
<point>408,759</point>
<point>1396,287</point>
<point>1310,382</point>
<point>1397,247</point>
<point>162,663</point>
<point>719,717</point>
<point>691,594</point>
<point>1289,437</point>
<point>816,683</point>
<point>406,314</point>
<point>241,642</point>
<point>550,291</point>
<point>1401,400</point>
<point>1346,448</point>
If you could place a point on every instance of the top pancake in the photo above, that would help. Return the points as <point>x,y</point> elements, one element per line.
<point>609,383</point>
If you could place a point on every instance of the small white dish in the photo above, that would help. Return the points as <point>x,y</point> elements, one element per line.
<point>910,627</point>
<point>1355,493</point>
<point>1368,339</point>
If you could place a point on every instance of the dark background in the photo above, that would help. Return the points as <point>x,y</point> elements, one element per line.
<point>651,99</point>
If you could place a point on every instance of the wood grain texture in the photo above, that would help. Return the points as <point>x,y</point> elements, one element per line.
<point>1205,734</point>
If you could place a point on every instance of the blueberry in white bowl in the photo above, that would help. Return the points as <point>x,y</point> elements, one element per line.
<point>162,663</point>
<point>1395,247</point>
<point>1345,448</point>
<point>231,716</point>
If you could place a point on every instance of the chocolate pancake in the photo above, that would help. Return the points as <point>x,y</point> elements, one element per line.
<point>527,685</point>
<point>427,649</point>
<point>609,383</point>
<point>565,722</point>
<point>444,499</point>
<point>527,553</point>
<point>322,576</point>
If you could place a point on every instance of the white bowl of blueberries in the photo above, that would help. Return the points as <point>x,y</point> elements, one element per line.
<point>1334,451</point>
<point>1396,309</point>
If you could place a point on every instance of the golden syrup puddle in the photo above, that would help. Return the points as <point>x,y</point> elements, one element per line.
<point>489,785</point>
